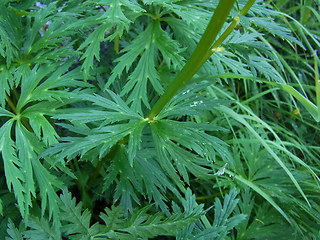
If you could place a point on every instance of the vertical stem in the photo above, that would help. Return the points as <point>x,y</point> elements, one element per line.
<point>11,104</point>
<point>116,44</point>
<point>192,66</point>
<point>247,7</point>
<point>316,78</point>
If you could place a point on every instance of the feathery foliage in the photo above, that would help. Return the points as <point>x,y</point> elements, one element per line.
<point>151,119</point>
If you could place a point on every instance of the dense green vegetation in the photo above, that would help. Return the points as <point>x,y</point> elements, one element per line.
<point>159,119</point>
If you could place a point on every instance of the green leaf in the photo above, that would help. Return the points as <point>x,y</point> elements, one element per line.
<point>123,173</point>
<point>268,148</point>
<point>194,16</point>
<point>41,127</point>
<point>190,101</point>
<point>274,28</point>
<point>27,156</point>
<point>5,113</point>
<point>76,223</point>
<point>115,16</point>
<point>131,52</point>
<point>160,2</point>
<point>93,47</point>
<point>46,181</point>
<point>138,80</point>
<point>13,232</point>
<point>33,89</point>
<point>6,83</point>
<point>145,225</point>
<point>145,45</point>
<point>145,176</point>
<point>12,167</point>
<point>260,192</point>
<point>169,48</point>
<point>1,207</point>
<point>185,147</point>
<point>40,229</point>
<point>135,141</point>
<point>222,224</point>
<point>8,47</point>
<point>222,213</point>
<point>112,217</point>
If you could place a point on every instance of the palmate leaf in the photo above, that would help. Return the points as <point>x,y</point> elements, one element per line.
<point>131,52</point>
<point>159,2</point>
<point>175,141</point>
<point>110,112</point>
<point>249,39</point>
<point>55,36</point>
<point>143,225</point>
<point>116,15</point>
<point>57,76</point>
<point>8,48</point>
<point>39,20</point>
<point>222,213</point>
<point>35,89</point>
<point>145,176</point>
<point>13,232</point>
<point>46,181</point>
<point>138,80</point>
<point>275,29</point>
<point>223,221</point>
<point>20,174</point>
<point>11,40</point>
<point>75,223</point>
<point>229,62</point>
<point>5,113</point>
<point>190,101</point>
<point>192,15</point>
<point>169,48</point>
<point>41,126</point>
<point>12,167</point>
<point>121,172</point>
<point>103,139</point>
<point>109,109</point>
<point>6,83</point>
<point>157,225</point>
<point>27,156</point>
<point>262,66</point>
<point>53,39</point>
<point>40,229</point>
<point>265,223</point>
<point>93,47</point>
<point>183,33</point>
<point>145,44</point>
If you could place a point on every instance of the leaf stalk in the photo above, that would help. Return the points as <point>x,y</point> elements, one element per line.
<point>203,51</point>
<point>192,65</point>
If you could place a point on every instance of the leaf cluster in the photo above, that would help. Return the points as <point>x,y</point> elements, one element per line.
<point>89,153</point>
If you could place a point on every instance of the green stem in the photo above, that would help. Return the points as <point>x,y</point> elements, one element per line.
<point>203,51</point>
<point>99,165</point>
<point>11,104</point>
<point>226,33</point>
<point>316,78</point>
<point>116,44</point>
<point>15,93</point>
<point>25,123</point>
<point>247,7</point>
<point>192,66</point>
